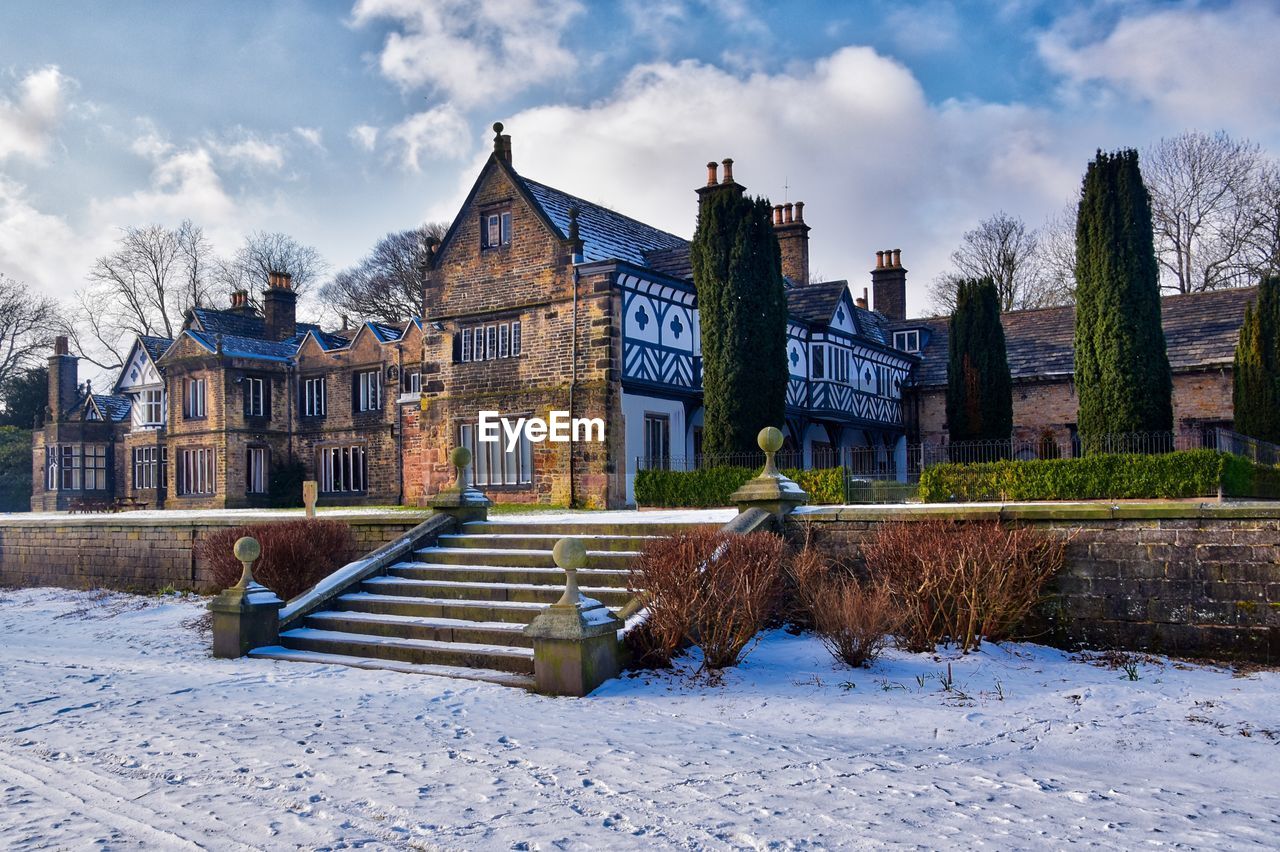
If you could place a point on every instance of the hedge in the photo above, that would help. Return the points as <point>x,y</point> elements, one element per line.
<point>712,486</point>
<point>1186,473</point>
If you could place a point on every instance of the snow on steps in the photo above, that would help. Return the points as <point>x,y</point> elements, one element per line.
<point>459,608</point>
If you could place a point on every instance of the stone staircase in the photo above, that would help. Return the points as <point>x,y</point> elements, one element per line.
<point>458,607</point>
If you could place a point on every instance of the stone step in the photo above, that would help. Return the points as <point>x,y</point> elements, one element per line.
<point>279,652</point>
<point>561,529</point>
<point>617,560</point>
<point>422,627</point>
<point>514,612</point>
<point>420,651</point>
<point>536,541</point>
<point>520,592</point>
<point>506,574</point>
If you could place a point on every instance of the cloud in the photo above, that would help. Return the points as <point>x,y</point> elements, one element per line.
<point>852,135</point>
<point>184,184</point>
<point>928,28</point>
<point>312,136</point>
<point>1198,66</point>
<point>365,136</point>
<point>36,247</point>
<point>250,151</point>
<point>470,51</point>
<point>439,132</point>
<point>28,120</point>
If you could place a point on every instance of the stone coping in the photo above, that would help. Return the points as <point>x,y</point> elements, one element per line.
<point>1100,510</point>
<point>209,517</point>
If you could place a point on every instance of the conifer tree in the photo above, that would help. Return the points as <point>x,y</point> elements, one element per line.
<point>979,388</point>
<point>1122,371</point>
<point>737,269</point>
<point>1257,366</point>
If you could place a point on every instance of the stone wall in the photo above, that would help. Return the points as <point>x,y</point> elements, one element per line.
<point>144,552</point>
<point>1178,578</point>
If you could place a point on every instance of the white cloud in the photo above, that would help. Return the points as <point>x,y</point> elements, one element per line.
<point>365,136</point>
<point>183,185</point>
<point>438,132</point>
<point>29,119</point>
<point>36,247</point>
<point>472,50</point>
<point>250,151</point>
<point>927,28</point>
<point>311,135</point>
<point>852,135</point>
<point>1201,67</point>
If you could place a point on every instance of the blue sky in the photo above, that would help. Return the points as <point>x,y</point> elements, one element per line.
<point>899,124</point>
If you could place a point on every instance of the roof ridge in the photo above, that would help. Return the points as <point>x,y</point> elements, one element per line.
<point>607,210</point>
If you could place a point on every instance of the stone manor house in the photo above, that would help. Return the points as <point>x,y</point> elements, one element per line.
<point>539,301</point>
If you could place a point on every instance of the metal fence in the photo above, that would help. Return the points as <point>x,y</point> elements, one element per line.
<point>889,474</point>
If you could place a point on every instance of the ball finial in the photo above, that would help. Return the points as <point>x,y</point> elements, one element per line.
<point>569,554</point>
<point>460,457</point>
<point>247,549</point>
<point>770,439</point>
<point>497,127</point>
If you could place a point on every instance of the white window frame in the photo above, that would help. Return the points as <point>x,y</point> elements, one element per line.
<point>314,397</point>
<point>490,342</point>
<point>256,470</point>
<point>657,431</point>
<point>152,402</point>
<point>515,338</point>
<point>193,402</point>
<point>95,467</point>
<point>342,469</point>
<point>370,390</point>
<point>255,389</point>
<point>413,381</point>
<point>51,468</point>
<point>901,338</point>
<point>477,341</point>
<point>466,346</point>
<point>197,471</point>
<point>69,465</point>
<point>492,464</point>
<point>146,467</point>
<point>504,340</point>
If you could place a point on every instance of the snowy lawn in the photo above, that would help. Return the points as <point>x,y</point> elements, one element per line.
<point>116,728</point>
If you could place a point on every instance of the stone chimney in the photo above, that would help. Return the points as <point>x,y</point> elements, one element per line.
<point>501,143</point>
<point>63,378</point>
<point>861,301</point>
<point>280,306</point>
<point>793,240</point>
<point>714,184</point>
<point>889,284</point>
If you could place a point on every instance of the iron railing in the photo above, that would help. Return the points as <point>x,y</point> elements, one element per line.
<point>887,474</point>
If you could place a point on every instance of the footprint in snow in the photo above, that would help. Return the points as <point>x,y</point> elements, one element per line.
<point>509,742</point>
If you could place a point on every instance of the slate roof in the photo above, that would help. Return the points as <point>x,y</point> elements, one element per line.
<point>1200,331</point>
<point>155,346</point>
<point>872,325</point>
<point>115,408</point>
<point>238,346</point>
<point>606,235</point>
<point>226,322</point>
<point>815,303</point>
<point>386,332</point>
<point>330,340</point>
<point>673,261</point>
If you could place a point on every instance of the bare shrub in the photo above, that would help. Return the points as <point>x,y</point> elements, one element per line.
<point>853,619</point>
<point>713,590</point>
<point>295,554</point>
<point>961,581</point>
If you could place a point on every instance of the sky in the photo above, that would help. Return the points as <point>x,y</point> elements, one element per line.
<point>899,124</point>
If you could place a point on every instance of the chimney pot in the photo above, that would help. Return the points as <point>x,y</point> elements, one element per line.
<point>799,211</point>
<point>861,302</point>
<point>777,214</point>
<point>897,257</point>
<point>786,213</point>
<point>711,173</point>
<point>728,169</point>
<point>879,260</point>
<point>60,346</point>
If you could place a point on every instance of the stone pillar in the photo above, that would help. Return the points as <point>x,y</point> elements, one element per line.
<point>575,640</point>
<point>247,615</point>
<point>771,491</point>
<point>460,500</point>
<point>310,494</point>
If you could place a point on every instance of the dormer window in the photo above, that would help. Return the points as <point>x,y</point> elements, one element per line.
<point>907,341</point>
<point>152,407</point>
<point>495,229</point>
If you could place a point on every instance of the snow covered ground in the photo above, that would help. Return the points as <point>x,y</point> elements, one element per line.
<point>116,728</point>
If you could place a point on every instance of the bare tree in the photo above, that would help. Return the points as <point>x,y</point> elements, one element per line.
<point>387,283</point>
<point>1264,250</point>
<point>1058,256</point>
<point>1003,248</point>
<point>265,252</point>
<point>145,286</point>
<point>27,325</point>
<point>1208,207</point>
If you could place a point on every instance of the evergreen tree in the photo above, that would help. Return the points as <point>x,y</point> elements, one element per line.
<point>737,269</point>
<point>979,388</point>
<point>1257,366</point>
<point>24,396</point>
<point>1123,379</point>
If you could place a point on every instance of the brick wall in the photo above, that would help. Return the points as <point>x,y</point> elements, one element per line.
<point>145,554</point>
<point>1177,578</point>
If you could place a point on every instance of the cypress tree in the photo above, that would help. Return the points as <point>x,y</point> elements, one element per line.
<point>1256,376</point>
<point>737,269</point>
<point>979,388</point>
<point>1123,379</point>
